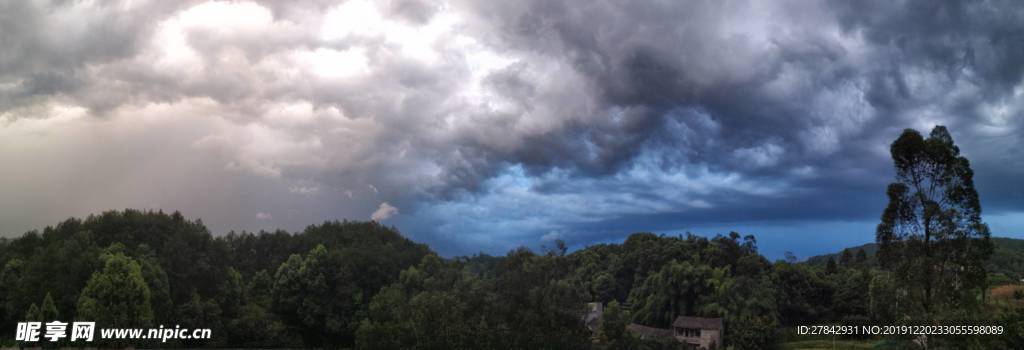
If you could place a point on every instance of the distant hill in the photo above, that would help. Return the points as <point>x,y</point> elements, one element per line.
<point>870,249</point>
<point>1007,257</point>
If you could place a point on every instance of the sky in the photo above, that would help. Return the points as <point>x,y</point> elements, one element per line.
<point>481,126</point>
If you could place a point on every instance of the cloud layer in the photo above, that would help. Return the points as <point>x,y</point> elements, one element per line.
<point>495,124</point>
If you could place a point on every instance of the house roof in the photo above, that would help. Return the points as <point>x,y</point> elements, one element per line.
<point>649,332</point>
<point>697,322</point>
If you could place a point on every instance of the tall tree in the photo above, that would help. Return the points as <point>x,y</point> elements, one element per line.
<point>33,314</point>
<point>48,312</point>
<point>931,234</point>
<point>159,286</point>
<point>803,296</point>
<point>10,305</point>
<point>845,258</point>
<point>830,266</point>
<point>883,300</point>
<point>678,289</point>
<point>117,295</point>
<point>613,327</point>
<point>861,258</point>
<point>316,293</point>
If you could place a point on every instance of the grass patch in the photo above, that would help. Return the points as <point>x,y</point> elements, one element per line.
<point>837,344</point>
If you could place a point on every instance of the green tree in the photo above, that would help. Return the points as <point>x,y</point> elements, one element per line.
<point>10,304</point>
<point>199,312</point>
<point>260,288</point>
<point>883,298</point>
<point>613,327</point>
<point>289,289</point>
<point>748,305</point>
<point>316,294</point>
<point>604,287</point>
<point>861,259</point>
<point>678,289</point>
<point>790,257</point>
<point>830,267</point>
<point>159,286</point>
<point>931,234</point>
<point>803,296</point>
<point>428,308</point>
<point>33,314</point>
<point>231,293</point>
<point>388,326</point>
<point>117,295</point>
<point>850,300</point>
<point>48,312</point>
<point>255,327</point>
<point>845,258</point>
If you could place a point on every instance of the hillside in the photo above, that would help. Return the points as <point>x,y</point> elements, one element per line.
<point>363,285</point>
<point>1007,257</point>
<point>267,289</point>
<point>870,249</point>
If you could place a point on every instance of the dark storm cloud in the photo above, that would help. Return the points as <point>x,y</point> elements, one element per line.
<point>662,56</point>
<point>980,45</point>
<point>808,87</point>
<point>485,125</point>
<point>647,60</point>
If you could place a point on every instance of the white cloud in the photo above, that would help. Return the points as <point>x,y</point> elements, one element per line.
<point>263,216</point>
<point>384,212</point>
<point>354,17</point>
<point>304,189</point>
<point>334,64</point>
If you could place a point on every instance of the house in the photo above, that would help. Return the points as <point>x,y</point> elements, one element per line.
<point>701,333</point>
<point>692,332</point>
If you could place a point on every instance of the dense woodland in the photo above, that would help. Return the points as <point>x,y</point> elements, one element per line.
<point>1005,266</point>
<point>363,285</point>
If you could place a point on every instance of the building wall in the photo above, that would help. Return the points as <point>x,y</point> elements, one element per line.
<point>709,336</point>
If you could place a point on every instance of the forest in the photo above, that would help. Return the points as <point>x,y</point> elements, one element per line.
<point>362,285</point>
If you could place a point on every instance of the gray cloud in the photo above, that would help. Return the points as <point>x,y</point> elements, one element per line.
<point>495,124</point>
